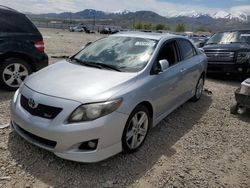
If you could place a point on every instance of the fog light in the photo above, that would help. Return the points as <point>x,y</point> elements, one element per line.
<point>92,144</point>
<point>89,145</point>
<point>240,69</point>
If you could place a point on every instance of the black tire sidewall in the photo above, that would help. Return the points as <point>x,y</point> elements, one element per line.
<point>7,62</point>
<point>125,147</point>
<point>234,109</point>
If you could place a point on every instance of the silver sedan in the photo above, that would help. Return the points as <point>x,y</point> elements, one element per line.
<point>105,99</point>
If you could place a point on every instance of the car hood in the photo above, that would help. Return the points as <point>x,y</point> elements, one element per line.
<point>227,47</point>
<point>79,83</point>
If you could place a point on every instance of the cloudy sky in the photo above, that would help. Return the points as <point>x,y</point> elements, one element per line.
<point>162,7</point>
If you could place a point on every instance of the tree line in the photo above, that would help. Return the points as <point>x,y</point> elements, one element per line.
<point>179,27</point>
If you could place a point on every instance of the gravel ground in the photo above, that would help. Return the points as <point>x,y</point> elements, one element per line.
<point>199,145</point>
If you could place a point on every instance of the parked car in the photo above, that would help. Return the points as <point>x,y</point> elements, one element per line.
<point>199,42</point>
<point>109,31</point>
<point>79,28</point>
<point>21,48</point>
<point>242,96</point>
<point>104,99</point>
<point>229,52</point>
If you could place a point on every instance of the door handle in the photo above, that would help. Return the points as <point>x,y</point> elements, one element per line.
<point>183,70</point>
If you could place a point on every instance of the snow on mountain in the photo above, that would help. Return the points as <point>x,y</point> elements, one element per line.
<point>239,16</point>
<point>122,12</point>
<point>192,14</point>
<point>227,15</point>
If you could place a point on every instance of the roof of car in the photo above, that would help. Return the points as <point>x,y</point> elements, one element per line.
<point>5,8</point>
<point>148,35</point>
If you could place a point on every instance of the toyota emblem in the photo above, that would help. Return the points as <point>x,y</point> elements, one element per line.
<point>32,104</point>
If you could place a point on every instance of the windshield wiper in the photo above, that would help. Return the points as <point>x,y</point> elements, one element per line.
<point>86,63</point>
<point>100,65</point>
<point>238,42</point>
<point>108,66</point>
<point>96,64</point>
<point>211,43</point>
<point>74,59</point>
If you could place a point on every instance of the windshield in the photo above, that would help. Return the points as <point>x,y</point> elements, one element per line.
<point>128,54</point>
<point>230,37</point>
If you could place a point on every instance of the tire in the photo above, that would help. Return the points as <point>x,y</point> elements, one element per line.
<point>13,71</point>
<point>234,109</point>
<point>241,110</point>
<point>134,134</point>
<point>198,89</point>
<point>238,109</point>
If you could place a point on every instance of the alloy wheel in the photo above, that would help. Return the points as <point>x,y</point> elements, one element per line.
<point>14,74</point>
<point>137,130</point>
<point>199,88</point>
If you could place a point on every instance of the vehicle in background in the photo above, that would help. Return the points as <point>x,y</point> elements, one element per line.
<point>104,99</point>
<point>79,28</point>
<point>109,30</point>
<point>199,42</point>
<point>21,48</point>
<point>229,52</point>
<point>242,96</point>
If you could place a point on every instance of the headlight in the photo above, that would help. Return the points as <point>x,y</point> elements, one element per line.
<point>88,112</point>
<point>242,57</point>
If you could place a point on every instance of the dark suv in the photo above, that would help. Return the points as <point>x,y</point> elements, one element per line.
<point>229,52</point>
<point>21,48</point>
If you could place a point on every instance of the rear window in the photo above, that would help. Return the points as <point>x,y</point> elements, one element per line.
<point>12,22</point>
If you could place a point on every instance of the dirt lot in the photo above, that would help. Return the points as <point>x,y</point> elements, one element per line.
<point>199,145</point>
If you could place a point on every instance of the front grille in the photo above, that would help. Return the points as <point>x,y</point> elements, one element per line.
<point>44,111</point>
<point>220,56</point>
<point>45,142</point>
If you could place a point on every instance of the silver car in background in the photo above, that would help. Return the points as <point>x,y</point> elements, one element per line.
<point>105,99</point>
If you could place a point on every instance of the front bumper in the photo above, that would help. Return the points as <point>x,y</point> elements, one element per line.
<point>66,138</point>
<point>233,68</point>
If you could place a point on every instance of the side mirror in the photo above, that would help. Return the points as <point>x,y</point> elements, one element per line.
<point>164,64</point>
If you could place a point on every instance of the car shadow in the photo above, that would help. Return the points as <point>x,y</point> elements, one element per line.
<point>226,79</point>
<point>122,169</point>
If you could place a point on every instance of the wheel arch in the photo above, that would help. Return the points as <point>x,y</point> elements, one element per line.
<point>149,107</point>
<point>18,55</point>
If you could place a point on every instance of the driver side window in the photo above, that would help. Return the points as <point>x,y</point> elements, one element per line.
<point>169,52</point>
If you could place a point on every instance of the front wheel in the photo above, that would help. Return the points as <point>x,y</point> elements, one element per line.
<point>198,89</point>
<point>136,129</point>
<point>13,71</point>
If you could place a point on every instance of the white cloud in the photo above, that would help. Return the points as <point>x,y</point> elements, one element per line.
<point>161,7</point>
<point>245,9</point>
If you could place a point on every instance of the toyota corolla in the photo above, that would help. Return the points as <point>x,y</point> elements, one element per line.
<point>105,99</point>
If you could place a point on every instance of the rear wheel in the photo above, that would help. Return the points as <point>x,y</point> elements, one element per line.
<point>198,89</point>
<point>136,129</point>
<point>13,71</point>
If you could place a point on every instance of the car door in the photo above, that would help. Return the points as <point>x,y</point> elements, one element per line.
<point>167,86</point>
<point>189,67</point>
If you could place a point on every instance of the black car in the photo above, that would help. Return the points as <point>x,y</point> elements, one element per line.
<point>229,52</point>
<point>21,48</point>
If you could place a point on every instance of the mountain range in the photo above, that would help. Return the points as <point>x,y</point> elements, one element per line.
<point>216,21</point>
